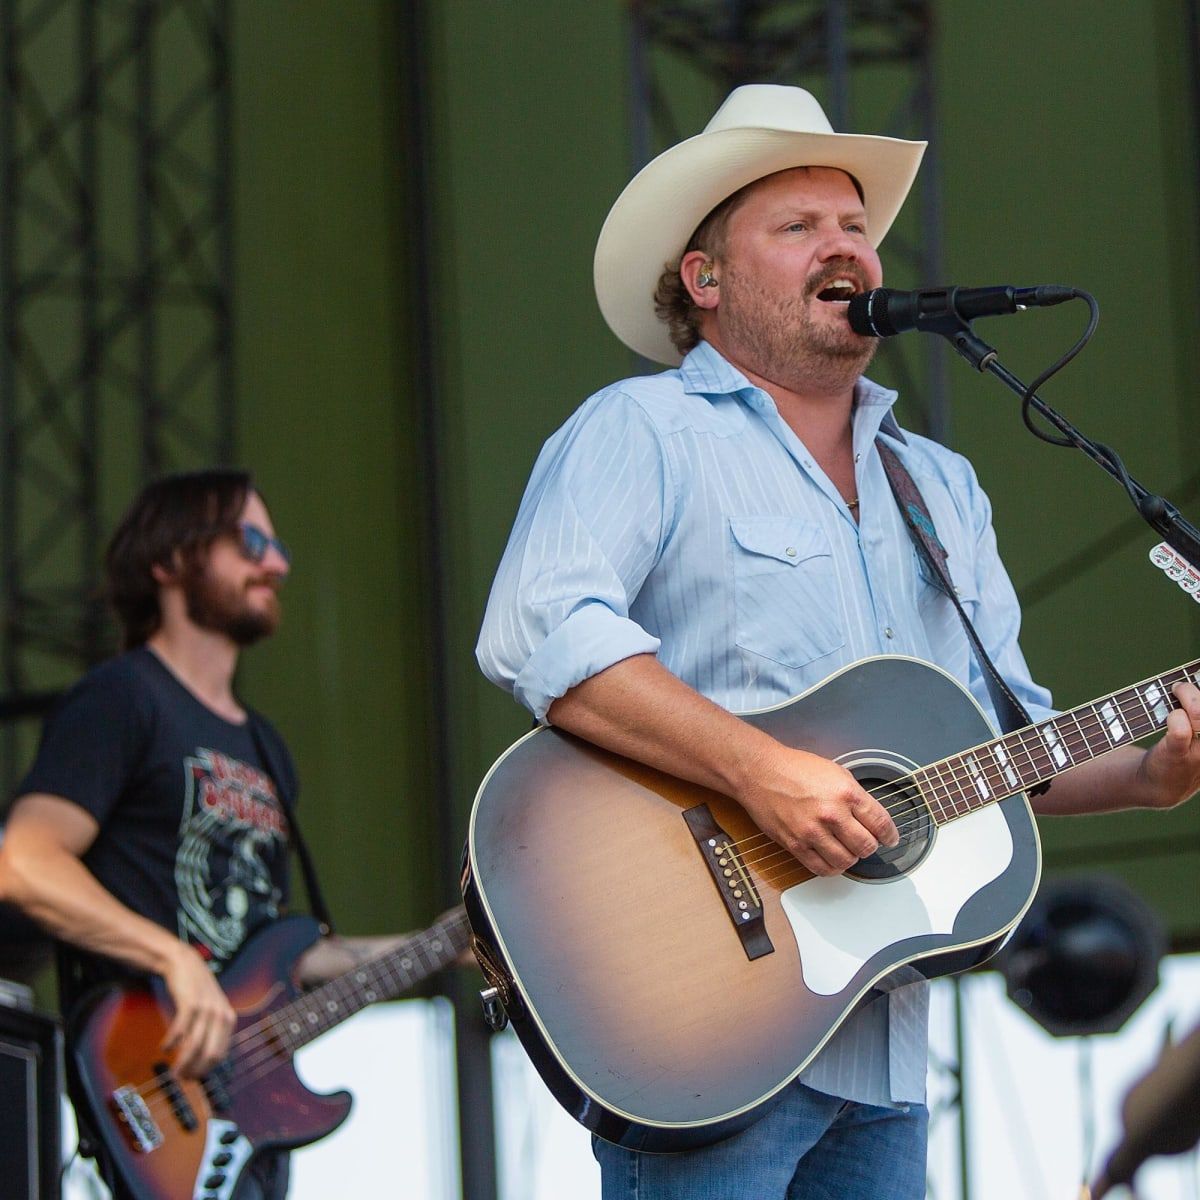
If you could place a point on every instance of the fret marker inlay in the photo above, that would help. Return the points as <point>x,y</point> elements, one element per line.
<point>1116,730</point>
<point>977,777</point>
<point>998,753</point>
<point>1057,752</point>
<point>1155,702</point>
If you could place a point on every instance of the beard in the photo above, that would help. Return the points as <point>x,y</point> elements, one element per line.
<point>223,608</point>
<point>778,339</point>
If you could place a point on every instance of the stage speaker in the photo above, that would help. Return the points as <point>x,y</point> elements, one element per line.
<point>1084,957</point>
<point>30,1098</point>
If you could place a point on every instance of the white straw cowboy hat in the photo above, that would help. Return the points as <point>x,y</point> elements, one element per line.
<point>760,129</point>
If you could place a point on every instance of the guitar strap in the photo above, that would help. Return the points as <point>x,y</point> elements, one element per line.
<point>316,899</point>
<point>1009,710</point>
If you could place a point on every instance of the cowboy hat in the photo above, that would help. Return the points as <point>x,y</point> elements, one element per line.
<point>760,129</point>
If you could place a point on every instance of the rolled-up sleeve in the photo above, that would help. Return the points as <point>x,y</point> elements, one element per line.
<point>589,530</point>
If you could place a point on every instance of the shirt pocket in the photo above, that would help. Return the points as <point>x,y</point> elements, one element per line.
<point>787,597</point>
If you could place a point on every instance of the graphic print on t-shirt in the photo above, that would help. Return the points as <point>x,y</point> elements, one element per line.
<point>231,831</point>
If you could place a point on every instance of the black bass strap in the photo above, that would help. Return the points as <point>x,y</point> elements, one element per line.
<point>316,899</point>
<point>1010,711</point>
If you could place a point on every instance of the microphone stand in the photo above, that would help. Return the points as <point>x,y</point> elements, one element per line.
<point>1161,515</point>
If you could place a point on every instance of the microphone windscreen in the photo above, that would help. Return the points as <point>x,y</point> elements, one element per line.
<point>867,313</point>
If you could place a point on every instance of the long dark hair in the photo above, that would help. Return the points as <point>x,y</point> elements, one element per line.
<point>171,523</point>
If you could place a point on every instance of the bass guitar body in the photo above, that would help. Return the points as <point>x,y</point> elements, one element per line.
<point>669,969</point>
<point>170,1138</point>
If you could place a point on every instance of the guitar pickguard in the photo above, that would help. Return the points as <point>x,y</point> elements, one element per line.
<point>841,923</point>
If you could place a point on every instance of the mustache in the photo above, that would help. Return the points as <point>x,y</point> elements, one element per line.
<point>843,269</point>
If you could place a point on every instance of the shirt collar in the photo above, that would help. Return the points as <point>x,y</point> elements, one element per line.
<point>705,372</point>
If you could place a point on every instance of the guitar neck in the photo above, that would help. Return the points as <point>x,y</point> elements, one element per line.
<point>1019,761</point>
<point>383,978</point>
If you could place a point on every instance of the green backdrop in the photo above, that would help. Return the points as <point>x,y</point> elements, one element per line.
<point>1069,155</point>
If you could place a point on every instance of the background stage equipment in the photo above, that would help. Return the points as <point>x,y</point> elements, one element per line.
<point>1084,956</point>
<point>30,1098</point>
<point>25,950</point>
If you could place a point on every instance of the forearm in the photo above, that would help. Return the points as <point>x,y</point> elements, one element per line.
<point>335,955</point>
<point>55,889</point>
<point>1111,783</point>
<point>637,708</point>
<point>812,807</point>
<point>42,872</point>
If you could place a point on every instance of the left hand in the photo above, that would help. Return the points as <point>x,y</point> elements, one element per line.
<point>1170,771</point>
<point>334,955</point>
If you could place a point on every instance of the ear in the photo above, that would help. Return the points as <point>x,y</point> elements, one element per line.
<point>690,266</point>
<point>166,575</point>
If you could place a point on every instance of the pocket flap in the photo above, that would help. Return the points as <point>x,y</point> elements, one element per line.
<point>783,538</point>
<point>964,582</point>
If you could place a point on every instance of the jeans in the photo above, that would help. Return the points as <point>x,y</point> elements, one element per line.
<point>810,1146</point>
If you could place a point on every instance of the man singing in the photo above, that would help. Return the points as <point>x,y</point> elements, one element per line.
<point>722,536</point>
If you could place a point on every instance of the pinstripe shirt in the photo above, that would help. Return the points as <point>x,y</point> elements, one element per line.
<point>679,515</point>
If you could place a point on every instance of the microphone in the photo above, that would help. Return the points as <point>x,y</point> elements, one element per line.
<point>884,312</point>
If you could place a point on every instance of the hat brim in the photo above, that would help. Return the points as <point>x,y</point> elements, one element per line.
<point>649,225</point>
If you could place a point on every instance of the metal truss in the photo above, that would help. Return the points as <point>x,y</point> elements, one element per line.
<point>115,290</point>
<point>824,45</point>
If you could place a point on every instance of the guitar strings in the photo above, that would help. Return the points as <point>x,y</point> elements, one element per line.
<point>943,776</point>
<point>1072,741</point>
<point>263,1053</point>
<point>781,863</point>
<point>778,864</point>
<point>923,815</point>
<point>272,1058</point>
<point>272,1050</point>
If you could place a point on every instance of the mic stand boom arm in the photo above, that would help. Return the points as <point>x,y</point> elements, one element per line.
<point>1159,514</point>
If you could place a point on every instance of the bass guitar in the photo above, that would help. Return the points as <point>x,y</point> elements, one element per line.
<point>670,969</point>
<point>171,1138</point>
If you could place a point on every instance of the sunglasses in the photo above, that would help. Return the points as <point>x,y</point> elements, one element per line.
<point>256,542</point>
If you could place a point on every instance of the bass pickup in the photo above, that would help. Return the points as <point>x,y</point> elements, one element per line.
<point>732,877</point>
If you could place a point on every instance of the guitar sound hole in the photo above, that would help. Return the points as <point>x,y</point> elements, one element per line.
<point>912,820</point>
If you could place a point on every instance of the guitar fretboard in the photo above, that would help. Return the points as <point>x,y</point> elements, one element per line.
<point>383,978</point>
<point>1018,761</point>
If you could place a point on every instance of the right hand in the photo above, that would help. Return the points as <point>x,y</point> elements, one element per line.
<point>816,810</point>
<point>204,1019</point>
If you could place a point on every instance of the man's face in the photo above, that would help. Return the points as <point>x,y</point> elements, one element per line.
<point>230,593</point>
<point>795,250</point>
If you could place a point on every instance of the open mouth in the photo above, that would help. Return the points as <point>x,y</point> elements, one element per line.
<point>839,291</point>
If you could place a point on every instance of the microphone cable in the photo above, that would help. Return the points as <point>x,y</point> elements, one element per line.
<point>1027,410</point>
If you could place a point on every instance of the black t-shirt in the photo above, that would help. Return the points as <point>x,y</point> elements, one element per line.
<point>192,831</point>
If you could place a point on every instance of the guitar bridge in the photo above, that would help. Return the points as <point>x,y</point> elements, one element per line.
<point>732,877</point>
<point>134,1116</point>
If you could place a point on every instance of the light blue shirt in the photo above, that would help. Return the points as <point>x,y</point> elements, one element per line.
<point>679,515</point>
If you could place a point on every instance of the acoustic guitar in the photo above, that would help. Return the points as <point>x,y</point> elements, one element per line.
<point>670,969</point>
